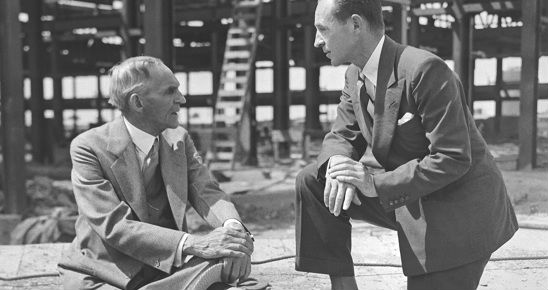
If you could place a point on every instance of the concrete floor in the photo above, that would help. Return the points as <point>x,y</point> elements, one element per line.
<point>276,238</point>
<point>370,245</point>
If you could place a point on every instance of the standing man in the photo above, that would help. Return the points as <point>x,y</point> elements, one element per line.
<point>440,188</point>
<point>133,179</point>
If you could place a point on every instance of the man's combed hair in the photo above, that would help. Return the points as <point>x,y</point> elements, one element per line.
<point>129,77</point>
<point>371,10</point>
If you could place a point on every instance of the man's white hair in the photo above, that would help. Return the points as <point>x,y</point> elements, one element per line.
<point>129,77</point>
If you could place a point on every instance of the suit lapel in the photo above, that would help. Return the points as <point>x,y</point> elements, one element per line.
<point>387,101</point>
<point>126,169</point>
<point>174,174</point>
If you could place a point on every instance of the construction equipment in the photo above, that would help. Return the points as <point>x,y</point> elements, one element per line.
<point>232,123</point>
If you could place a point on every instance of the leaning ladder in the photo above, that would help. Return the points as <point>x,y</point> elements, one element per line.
<point>231,122</point>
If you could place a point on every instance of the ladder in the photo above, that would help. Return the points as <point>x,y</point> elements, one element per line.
<point>231,122</point>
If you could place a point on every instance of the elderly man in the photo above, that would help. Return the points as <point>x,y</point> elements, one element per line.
<point>440,188</point>
<point>133,179</point>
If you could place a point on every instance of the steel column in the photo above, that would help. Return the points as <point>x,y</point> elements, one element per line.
<point>12,108</point>
<point>462,42</point>
<point>399,14</point>
<point>99,101</point>
<point>498,99</point>
<point>57,102</point>
<point>35,61</point>
<point>530,41</point>
<point>129,19</point>
<point>250,157</point>
<point>281,81</point>
<point>414,31</point>
<point>312,90</point>
<point>158,28</point>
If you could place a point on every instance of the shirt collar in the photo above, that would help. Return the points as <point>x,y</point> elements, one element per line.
<point>140,138</point>
<point>371,68</point>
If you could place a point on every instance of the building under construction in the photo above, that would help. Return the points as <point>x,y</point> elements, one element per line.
<point>60,40</point>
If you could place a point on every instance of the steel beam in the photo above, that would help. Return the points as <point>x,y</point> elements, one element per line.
<point>158,28</point>
<point>12,121</point>
<point>530,41</point>
<point>481,93</point>
<point>101,22</point>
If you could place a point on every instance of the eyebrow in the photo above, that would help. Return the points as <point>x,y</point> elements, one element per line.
<point>171,88</point>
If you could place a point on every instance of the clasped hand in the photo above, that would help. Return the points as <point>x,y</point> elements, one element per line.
<point>231,244</point>
<point>343,177</point>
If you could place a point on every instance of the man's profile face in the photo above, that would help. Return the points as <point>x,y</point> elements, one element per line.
<point>162,99</point>
<point>332,36</point>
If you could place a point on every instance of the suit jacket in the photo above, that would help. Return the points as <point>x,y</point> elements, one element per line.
<point>114,239</point>
<point>440,179</point>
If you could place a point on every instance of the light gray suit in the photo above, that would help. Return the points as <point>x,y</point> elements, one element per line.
<point>114,237</point>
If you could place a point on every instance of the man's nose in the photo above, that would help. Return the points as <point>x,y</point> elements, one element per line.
<point>318,41</point>
<point>180,98</point>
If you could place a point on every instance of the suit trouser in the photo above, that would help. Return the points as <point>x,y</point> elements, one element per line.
<point>149,279</point>
<point>324,241</point>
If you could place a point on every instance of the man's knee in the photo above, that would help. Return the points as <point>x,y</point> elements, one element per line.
<point>306,176</point>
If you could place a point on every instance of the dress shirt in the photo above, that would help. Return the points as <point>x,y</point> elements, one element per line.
<point>371,68</point>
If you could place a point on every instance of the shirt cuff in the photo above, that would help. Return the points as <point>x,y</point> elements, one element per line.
<point>179,261</point>
<point>229,221</point>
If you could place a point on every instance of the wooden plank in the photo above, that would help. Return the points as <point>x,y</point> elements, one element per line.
<point>11,258</point>
<point>28,261</point>
<point>238,80</point>
<point>530,40</point>
<point>236,67</point>
<point>238,42</point>
<point>237,54</point>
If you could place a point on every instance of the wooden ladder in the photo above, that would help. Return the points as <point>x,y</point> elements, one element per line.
<point>231,121</point>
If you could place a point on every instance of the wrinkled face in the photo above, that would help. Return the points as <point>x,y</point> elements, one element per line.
<point>333,37</point>
<point>162,99</point>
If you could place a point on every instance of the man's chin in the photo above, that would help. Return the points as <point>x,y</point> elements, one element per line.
<point>335,62</point>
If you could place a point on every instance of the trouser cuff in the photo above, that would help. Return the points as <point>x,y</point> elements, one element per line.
<point>321,266</point>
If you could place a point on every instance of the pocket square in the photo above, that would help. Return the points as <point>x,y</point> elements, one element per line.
<point>406,117</point>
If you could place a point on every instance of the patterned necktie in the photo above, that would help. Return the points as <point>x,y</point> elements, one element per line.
<point>150,165</point>
<point>368,89</point>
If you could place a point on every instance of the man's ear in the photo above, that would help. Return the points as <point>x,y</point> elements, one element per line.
<point>358,23</point>
<point>135,102</point>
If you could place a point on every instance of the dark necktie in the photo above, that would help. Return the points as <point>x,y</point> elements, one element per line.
<point>150,166</point>
<point>368,89</point>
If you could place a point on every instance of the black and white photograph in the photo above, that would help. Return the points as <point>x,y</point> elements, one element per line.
<point>273,144</point>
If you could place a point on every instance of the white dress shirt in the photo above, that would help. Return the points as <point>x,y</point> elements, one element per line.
<point>371,68</point>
